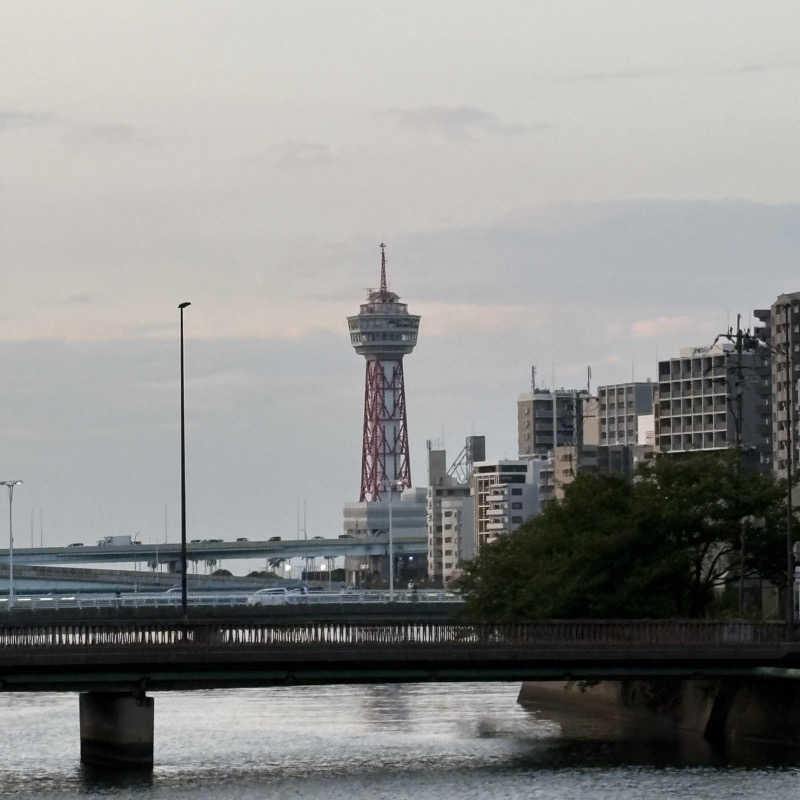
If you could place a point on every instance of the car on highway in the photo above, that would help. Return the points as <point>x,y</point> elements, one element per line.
<point>75,544</point>
<point>346,536</point>
<point>242,539</point>
<point>269,597</point>
<point>274,538</point>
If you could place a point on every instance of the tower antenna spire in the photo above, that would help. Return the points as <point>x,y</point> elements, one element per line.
<point>383,268</point>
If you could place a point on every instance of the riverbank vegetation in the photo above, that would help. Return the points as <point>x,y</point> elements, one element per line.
<point>661,545</point>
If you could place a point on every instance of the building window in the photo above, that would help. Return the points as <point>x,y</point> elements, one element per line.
<point>516,506</point>
<point>516,520</point>
<point>516,491</point>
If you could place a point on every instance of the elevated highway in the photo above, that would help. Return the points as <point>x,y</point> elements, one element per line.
<point>216,550</point>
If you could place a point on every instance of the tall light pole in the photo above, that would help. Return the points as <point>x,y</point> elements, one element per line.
<point>10,485</point>
<point>390,487</point>
<point>184,603</point>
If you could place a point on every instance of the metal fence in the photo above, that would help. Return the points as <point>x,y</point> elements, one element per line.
<point>172,599</point>
<point>234,634</point>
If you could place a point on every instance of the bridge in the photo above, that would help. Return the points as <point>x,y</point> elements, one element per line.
<point>113,663</point>
<point>170,552</point>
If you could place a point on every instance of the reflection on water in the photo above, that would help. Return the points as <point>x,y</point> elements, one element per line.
<point>345,742</point>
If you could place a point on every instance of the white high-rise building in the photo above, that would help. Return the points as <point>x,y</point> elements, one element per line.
<point>505,495</point>
<point>458,541</point>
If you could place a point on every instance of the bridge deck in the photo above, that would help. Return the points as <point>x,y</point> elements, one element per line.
<point>126,656</point>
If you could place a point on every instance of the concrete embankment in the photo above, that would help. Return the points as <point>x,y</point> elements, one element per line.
<point>728,712</point>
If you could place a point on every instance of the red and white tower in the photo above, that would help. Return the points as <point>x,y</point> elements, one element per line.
<point>383,332</point>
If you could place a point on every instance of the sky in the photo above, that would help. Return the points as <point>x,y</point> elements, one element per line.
<point>594,183</point>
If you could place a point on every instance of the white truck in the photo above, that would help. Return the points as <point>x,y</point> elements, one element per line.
<point>116,541</point>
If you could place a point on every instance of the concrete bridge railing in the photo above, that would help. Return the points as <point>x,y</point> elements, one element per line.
<point>235,634</point>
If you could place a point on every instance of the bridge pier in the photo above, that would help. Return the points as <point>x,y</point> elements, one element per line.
<point>116,729</point>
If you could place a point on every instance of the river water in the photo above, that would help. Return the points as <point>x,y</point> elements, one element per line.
<point>443,741</point>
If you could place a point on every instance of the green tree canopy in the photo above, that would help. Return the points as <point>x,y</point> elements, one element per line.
<point>653,547</point>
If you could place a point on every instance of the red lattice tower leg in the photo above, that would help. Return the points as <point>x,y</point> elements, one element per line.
<point>385,455</point>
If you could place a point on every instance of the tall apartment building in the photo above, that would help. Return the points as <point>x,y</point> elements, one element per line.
<point>458,542</point>
<point>546,419</point>
<point>780,333</point>
<point>504,496</point>
<point>621,405</point>
<point>699,405</point>
<point>449,509</point>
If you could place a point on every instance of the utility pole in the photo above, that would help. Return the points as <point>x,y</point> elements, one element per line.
<point>786,351</point>
<point>739,378</point>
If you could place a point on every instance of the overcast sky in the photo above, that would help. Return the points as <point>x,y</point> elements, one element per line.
<point>600,182</point>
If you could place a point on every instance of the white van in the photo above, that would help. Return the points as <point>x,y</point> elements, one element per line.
<point>269,597</point>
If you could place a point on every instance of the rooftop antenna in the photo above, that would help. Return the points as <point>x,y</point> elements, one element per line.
<point>589,379</point>
<point>533,378</point>
<point>383,268</point>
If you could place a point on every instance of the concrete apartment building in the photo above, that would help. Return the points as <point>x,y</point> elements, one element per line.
<point>458,541</point>
<point>577,422</point>
<point>780,332</point>
<point>698,402</point>
<point>569,459</point>
<point>504,496</point>
<point>620,406</point>
<point>546,419</point>
<point>449,509</point>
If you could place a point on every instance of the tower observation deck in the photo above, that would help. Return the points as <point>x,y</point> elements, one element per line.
<point>383,332</point>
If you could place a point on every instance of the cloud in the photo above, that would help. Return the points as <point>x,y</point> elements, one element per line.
<point>755,68</point>
<point>457,122</point>
<point>617,75</point>
<point>657,326</point>
<point>300,155</point>
<point>10,118</point>
<point>111,134</point>
<point>80,299</point>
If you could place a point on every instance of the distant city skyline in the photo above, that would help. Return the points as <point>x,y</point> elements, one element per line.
<point>565,189</point>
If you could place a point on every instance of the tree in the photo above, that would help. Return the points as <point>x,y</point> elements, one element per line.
<point>657,546</point>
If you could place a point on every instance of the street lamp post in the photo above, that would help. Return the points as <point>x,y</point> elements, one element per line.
<point>184,603</point>
<point>10,485</point>
<point>390,486</point>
